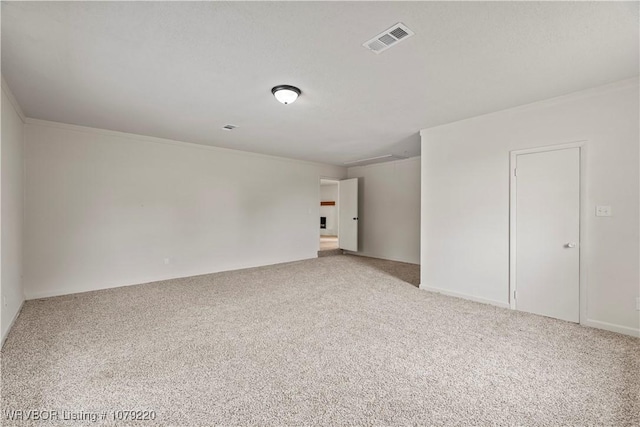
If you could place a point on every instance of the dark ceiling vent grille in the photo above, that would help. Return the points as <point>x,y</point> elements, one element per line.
<point>229,127</point>
<point>398,33</point>
<point>388,38</point>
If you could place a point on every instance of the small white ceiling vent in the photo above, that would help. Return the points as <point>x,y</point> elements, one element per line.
<point>388,38</point>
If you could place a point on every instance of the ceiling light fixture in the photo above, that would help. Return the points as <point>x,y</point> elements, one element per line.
<point>285,93</point>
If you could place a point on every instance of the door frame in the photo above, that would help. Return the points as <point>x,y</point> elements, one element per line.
<point>582,247</point>
<point>344,238</point>
<point>328,178</point>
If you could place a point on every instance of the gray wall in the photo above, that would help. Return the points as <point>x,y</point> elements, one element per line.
<point>110,209</point>
<point>12,210</point>
<point>389,209</point>
<point>465,195</point>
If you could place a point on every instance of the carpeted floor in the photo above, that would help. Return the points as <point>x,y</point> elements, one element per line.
<point>340,340</point>
<point>330,252</point>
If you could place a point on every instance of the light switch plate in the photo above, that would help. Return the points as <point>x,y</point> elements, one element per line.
<point>603,210</point>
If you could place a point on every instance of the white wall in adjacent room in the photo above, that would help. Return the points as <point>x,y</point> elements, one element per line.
<point>12,210</point>
<point>107,209</point>
<point>329,193</point>
<point>465,194</point>
<point>389,209</point>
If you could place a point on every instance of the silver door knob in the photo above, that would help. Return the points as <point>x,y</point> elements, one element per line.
<point>570,245</point>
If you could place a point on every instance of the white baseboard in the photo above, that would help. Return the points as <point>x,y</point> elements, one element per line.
<point>464,296</point>
<point>59,292</point>
<point>368,255</point>
<point>31,295</point>
<point>6,334</point>
<point>634,332</point>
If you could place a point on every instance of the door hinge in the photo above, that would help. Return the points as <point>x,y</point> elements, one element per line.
<point>515,171</point>
<point>514,294</point>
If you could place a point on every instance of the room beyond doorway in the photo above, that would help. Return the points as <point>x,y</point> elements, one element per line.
<point>329,214</point>
<point>328,243</point>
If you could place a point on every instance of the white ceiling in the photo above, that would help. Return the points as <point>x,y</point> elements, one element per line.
<point>183,70</point>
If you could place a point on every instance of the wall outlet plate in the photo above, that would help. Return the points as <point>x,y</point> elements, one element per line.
<point>603,211</point>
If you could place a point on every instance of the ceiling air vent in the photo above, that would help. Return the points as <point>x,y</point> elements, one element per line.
<point>388,38</point>
<point>229,127</point>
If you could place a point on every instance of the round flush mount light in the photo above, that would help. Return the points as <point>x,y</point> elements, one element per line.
<point>285,93</point>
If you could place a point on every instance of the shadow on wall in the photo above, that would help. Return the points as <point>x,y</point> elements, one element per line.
<point>409,273</point>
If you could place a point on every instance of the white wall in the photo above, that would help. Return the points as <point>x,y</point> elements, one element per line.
<point>105,209</point>
<point>329,193</point>
<point>465,193</point>
<point>389,209</point>
<point>11,212</point>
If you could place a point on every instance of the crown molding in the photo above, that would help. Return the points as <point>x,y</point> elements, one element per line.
<point>609,87</point>
<point>157,140</point>
<point>12,99</point>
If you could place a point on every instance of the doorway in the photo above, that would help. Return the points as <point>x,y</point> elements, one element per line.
<point>338,216</point>
<point>329,214</point>
<point>545,231</point>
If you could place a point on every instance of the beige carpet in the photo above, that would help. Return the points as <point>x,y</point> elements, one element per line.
<point>339,340</point>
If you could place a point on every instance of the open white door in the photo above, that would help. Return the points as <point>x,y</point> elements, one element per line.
<point>348,227</point>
